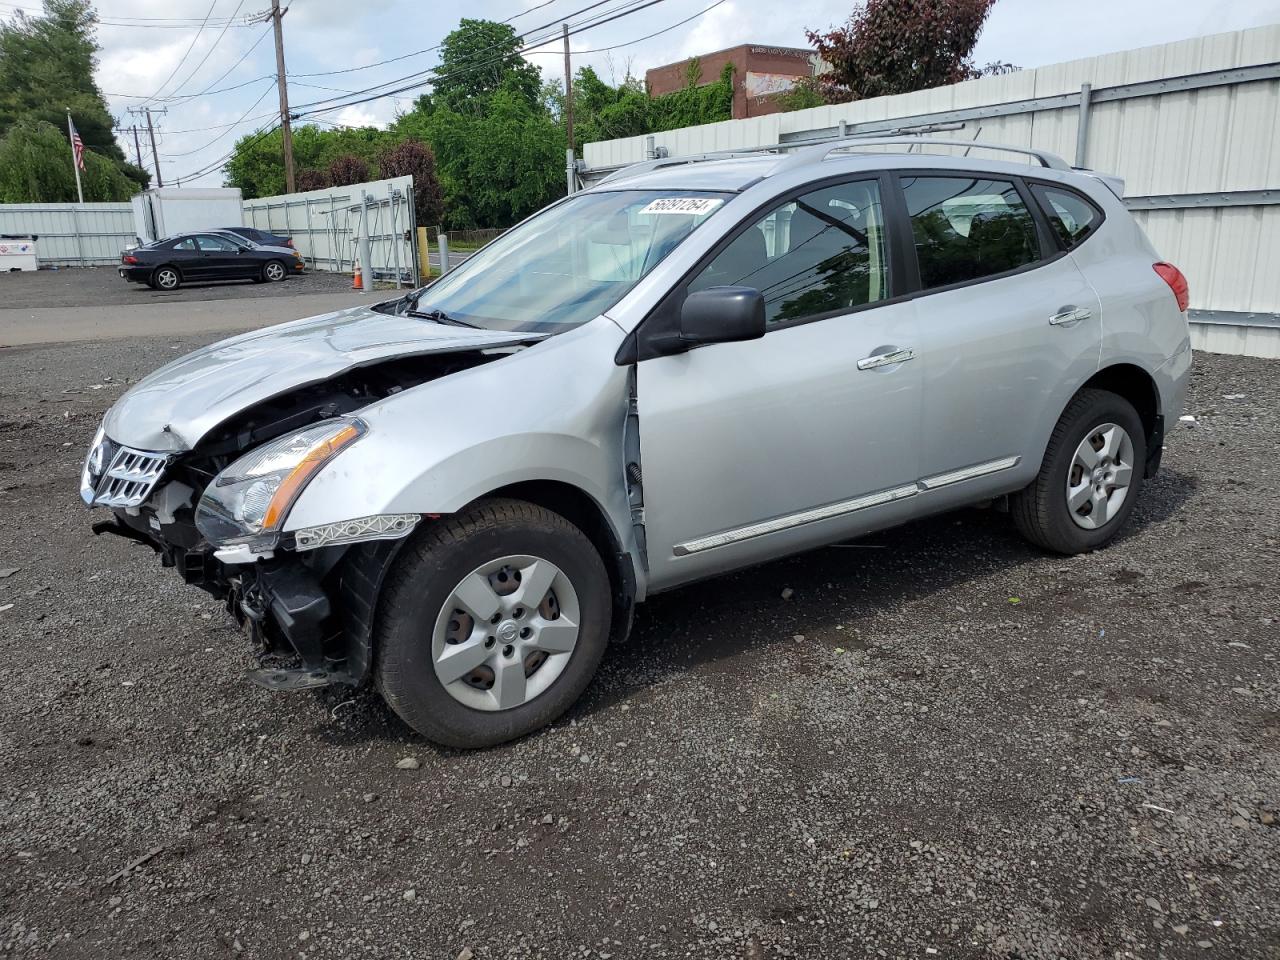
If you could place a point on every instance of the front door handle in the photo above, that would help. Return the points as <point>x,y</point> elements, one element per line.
<point>886,359</point>
<point>1070,316</point>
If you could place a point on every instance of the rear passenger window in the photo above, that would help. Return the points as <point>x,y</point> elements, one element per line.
<point>1072,216</point>
<point>967,228</point>
<point>820,254</point>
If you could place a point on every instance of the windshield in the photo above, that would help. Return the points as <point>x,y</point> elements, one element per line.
<point>568,264</point>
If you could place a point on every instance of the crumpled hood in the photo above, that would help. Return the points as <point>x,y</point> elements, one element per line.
<point>171,409</point>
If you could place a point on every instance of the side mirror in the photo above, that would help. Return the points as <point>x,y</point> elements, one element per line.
<point>722,315</point>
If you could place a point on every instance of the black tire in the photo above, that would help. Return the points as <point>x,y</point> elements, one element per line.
<point>166,277</point>
<point>1040,511</point>
<point>273,271</point>
<point>426,572</point>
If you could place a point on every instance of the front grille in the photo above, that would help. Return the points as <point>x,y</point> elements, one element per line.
<point>130,478</point>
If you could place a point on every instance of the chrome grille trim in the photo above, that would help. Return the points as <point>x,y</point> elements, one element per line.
<point>130,478</point>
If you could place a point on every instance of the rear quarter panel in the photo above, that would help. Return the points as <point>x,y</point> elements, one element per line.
<point>1141,322</point>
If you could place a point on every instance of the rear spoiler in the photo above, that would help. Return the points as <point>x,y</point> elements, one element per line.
<point>1114,184</point>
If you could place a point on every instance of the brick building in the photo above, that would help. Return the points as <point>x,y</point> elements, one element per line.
<point>759,72</point>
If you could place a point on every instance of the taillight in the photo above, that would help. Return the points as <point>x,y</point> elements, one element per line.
<point>1177,283</point>
<point>129,258</point>
<point>289,242</point>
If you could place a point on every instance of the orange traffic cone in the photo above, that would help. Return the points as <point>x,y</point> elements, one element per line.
<point>356,282</point>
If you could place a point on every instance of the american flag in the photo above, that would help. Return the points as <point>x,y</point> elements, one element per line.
<point>77,145</point>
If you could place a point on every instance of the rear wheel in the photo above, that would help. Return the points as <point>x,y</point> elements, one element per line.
<point>166,278</point>
<point>273,271</point>
<point>1090,479</point>
<point>492,624</point>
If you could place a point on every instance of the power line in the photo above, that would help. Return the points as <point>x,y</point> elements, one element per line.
<point>623,10</point>
<point>418,76</point>
<point>179,64</point>
<point>205,59</point>
<point>209,90</point>
<point>326,105</point>
<point>418,53</point>
<point>658,33</point>
<point>244,118</point>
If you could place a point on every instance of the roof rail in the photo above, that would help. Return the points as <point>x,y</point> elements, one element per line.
<point>644,166</point>
<point>819,152</point>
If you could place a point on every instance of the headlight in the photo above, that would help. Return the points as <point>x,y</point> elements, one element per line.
<point>248,501</point>
<point>95,465</point>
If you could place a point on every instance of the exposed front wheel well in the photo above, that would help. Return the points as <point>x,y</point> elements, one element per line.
<point>584,513</point>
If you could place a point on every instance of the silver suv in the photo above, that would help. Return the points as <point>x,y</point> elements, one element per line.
<point>695,366</point>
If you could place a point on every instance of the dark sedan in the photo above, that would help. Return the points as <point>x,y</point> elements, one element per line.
<point>167,264</point>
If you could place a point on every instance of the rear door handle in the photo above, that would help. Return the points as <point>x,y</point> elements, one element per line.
<point>1070,316</point>
<point>886,359</point>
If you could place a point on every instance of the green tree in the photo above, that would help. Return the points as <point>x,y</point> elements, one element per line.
<point>496,166</point>
<point>477,60</point>
<point>35,167</point>
<point>46,66</point>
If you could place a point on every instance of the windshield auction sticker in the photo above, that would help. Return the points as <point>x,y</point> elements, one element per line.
<point>687,206</point>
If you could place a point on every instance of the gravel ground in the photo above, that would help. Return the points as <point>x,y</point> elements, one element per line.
<point>102,286</point>
<point>942,744</point>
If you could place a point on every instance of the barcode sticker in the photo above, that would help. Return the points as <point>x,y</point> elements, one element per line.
<point>688,206</point>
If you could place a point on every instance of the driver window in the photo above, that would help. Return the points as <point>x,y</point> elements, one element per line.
<point>217,244</point>
<point>822,253</point>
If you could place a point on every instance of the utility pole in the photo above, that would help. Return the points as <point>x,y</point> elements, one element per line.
<point>568,85</point>
<point>137,147</point>
<point>285,129</point>
<point>570,163</point>
<point>151,132</point>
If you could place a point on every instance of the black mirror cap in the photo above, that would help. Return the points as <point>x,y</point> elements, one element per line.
<point>722,315</point>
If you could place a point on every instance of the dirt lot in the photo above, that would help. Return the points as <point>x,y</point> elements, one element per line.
<point>102,286</point>
<point>943,744</point>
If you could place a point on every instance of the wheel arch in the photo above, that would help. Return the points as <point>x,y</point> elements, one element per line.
<point>581,509</point>
<point>1135,385</point>
<point>1139,387</point>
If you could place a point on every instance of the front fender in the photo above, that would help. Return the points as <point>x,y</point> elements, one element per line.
<point>554,411</point>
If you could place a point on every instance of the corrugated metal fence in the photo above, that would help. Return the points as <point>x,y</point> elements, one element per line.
<point>1193,127</point>
<point>324,225</point>
<point>72,233</point>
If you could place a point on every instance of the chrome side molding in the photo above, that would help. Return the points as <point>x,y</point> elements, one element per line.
<point>969,473</point>
<point>813,515</point>
<point>843,508</point>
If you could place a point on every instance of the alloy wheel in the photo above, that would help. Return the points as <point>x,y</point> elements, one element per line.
<point>274,271</point>
<point>1099,476</point>
<point>167,279</point>
<point>506,633</point>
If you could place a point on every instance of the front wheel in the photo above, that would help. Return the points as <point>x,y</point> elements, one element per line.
<point>1090,479</point>
<point>492,624</point>
<point>273,271</point>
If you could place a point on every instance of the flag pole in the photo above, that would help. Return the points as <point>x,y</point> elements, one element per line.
<point>74,166</point>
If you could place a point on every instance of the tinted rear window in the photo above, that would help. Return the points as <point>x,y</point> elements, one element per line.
<point>967,228</point>
<point>1072,217</point>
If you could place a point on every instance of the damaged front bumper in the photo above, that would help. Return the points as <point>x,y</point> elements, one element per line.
<point>310,611</point>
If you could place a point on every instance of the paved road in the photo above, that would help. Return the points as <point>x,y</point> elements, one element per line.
<point>26,326</point>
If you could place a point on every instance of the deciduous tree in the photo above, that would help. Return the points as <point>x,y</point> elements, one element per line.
<point>413,158</point>
<point>897,46</point>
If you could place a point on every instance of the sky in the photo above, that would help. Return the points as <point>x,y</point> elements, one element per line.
<point>336,45</point>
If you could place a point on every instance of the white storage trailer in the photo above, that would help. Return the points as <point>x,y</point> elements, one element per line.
<point>165,211</point>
